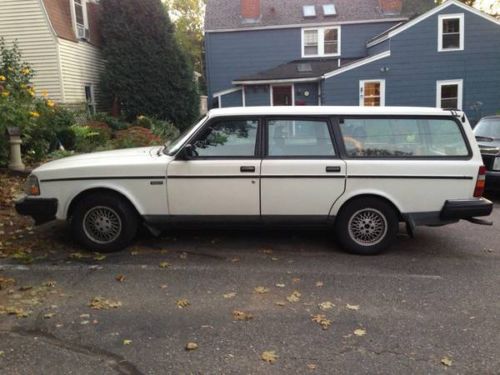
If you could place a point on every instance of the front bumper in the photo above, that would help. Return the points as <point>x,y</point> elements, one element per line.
<point>493,180</point>
<point>42,210</point>
<point>466,209</point>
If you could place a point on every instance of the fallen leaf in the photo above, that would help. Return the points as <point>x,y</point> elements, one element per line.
<point>319,284</point>
<point>266,251</point>
<point>281,303</point>
<point>2,353</point>
<point>269,357</point>
<point>322,321</point>
<point>235,260</point>
<point>352,307</point>
<point>294,297</point>
<point>17,311</point>
<point>183,255</point>
<point>182,303</point>
<point>360,332</point>
<point>84,322</point>
<point>240,315</point>
<point>296,280</point>
<point>127,342</point>
<point>163,286</point>
<point>164,265</point>
<point>77,256</point>
<point>280,285</point>
<point>311,366</point>
<point>120,278</point>
<point>134,253</point>
<point>191,346</point>
<point>275,258</point>
<point>85,316</point>
<point>230,295</point>
<point>327,305</point>
<point>99,257</point>
<point>261,290</point>
<point>50,284</point>
<point>49,315</point>
<point>100,303</point>
<point>446,361</point>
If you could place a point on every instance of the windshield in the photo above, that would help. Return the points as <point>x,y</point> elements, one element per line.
<point>489,128</point>
<point>173,146</point>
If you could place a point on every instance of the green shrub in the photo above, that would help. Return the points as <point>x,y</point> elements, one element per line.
<point>86,138</point>
<point>135,136</point>
<point>163,129</point>
<point>113,122</point>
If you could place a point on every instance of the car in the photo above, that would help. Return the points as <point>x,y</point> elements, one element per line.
<point>487,132</point>
<point>358,171</point>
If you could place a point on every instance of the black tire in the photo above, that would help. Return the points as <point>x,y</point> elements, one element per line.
<point>104,215</point>
<point>374,226</point>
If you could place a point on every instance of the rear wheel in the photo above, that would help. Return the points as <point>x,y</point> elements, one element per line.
<point>104,222</point>
<point>367,226</point>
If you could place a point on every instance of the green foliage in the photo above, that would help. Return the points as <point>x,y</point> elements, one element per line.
<point>113,122</point>
<point>146,71</point>
<point>163,129</point>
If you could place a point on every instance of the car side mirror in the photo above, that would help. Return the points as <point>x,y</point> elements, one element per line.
<point>188,152</point>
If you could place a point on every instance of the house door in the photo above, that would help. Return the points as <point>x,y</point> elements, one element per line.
<point>372,93</point>
<point>282,95</point>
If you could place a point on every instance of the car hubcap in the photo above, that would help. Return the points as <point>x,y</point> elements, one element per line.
<point>367,227</point>
<point>102,225</point>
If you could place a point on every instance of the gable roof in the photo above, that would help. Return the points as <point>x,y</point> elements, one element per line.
<point>405,26</point>
<point>224,15</point>
<point>59,14</point>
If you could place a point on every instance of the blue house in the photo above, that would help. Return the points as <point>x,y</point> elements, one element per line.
<point>352,52</point>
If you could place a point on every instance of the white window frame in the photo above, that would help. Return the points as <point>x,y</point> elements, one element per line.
<point>321,41</point>
<point>439,86</point>
<point>271,92</point>
<point>362,91</point>
<point>85,16</point>
<point>461,19</point>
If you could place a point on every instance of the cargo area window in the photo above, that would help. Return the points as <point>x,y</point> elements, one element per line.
<point>403,138</point>
<point>451,32</point>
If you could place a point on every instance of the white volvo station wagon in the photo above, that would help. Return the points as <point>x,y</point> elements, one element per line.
<point>359,171</point>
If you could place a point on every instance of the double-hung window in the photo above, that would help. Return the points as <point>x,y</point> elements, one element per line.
<point>319,42</point>
<point>451,32</point>
<point>449,94</point>
<point>80,20</point>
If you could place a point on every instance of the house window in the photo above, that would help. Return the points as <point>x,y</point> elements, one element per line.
<point>80,19</point>
<point>451,32</point>
<point>319,42</point>
<point>449,94</point>
<point>372,93</point>
<point>89,99</point>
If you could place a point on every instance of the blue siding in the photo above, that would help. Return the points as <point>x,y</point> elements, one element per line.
<point>231,55</point>
<point>233,99</point>
<point>257,96</point>
<point>379,48</point>
<point>415,65</point>
<point>300,98</point>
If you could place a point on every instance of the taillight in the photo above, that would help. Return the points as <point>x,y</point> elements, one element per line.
<point>481,182</point>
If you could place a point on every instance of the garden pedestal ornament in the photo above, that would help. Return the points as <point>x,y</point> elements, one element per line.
<point>15,161</point>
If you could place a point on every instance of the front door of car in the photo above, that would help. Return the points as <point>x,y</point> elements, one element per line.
<point>219,176</point>
<point>301,174</point>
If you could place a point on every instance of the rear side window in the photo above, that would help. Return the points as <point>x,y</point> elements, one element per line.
<point>393,137</point>
<point>299,138</point>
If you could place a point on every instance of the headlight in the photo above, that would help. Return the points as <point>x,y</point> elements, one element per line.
<point>32,187</point>
<point>496,164</point>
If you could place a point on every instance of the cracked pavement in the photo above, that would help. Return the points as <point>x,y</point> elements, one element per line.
<point>427,298</point>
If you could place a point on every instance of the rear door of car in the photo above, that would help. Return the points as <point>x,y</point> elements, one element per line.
<point>302,174</point>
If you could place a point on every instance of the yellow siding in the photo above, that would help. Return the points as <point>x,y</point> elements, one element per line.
<point>81,63</point>
<point>26,22</point>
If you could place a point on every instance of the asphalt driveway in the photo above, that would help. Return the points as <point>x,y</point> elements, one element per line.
<point>430,305</point>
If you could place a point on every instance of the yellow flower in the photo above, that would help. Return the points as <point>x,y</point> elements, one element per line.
<point>5,93</point>
<point>45,93</point>
<point>31,91</point>
<point>34,114</point>
<point>25,71</point>
<point>2,78</point>
<point>50,103</point>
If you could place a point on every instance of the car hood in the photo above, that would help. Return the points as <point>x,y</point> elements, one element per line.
<point>142,160</point>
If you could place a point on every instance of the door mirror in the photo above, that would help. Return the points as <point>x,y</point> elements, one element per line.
<point>188,152</point>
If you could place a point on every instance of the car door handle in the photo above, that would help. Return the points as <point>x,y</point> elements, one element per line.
<point>247,169</point>
<point>333,169</point>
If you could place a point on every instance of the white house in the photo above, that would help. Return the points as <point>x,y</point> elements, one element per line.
<point>60,39</point>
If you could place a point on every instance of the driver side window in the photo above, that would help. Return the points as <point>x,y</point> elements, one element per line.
<point>228,138</point>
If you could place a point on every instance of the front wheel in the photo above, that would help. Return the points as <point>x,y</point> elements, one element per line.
<point>104,222</point>
<point>367,226</point>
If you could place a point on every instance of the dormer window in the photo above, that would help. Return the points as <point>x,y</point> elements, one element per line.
<point>309,11</point>
<point>321,42</point>
<point>451,32</point>
<point>80,19</point>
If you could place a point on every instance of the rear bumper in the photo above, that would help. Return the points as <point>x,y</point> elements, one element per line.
<point>493,180</point>
<point>466,209</point>
<point>40,209</point>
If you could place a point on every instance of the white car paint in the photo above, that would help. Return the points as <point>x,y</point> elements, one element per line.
<point>147,185</point>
